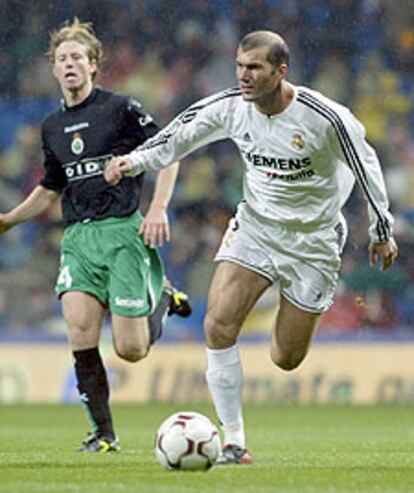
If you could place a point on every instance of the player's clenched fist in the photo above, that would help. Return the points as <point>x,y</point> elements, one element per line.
<point>116,169</point>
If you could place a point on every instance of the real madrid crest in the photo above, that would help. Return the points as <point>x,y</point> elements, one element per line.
<point>297,142</point>
<point>78,145</point>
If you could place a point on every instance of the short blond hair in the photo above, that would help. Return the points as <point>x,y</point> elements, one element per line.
<point>83,33</point>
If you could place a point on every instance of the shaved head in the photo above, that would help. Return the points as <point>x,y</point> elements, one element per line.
<point>278,49</point>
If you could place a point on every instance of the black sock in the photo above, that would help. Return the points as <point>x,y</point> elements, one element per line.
<point>94,390</point>
<point>156,319</point>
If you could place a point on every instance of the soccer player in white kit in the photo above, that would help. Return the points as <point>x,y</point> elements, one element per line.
<point>301,154</point>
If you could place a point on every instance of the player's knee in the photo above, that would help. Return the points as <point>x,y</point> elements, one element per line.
<point>288,364</point>
<point>218,333</point>
<point>132,354</point>
<point>82,337</point>
<point>287,361</point>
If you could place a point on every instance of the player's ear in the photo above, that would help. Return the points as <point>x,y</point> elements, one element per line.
<point>283,69</point>
<point>93,66</point>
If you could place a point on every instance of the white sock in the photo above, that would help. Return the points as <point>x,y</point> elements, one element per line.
<point>225,380</point>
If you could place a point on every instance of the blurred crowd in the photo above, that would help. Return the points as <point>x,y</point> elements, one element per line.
<point>359,52</point>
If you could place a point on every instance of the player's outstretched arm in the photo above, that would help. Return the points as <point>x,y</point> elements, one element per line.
<point>199,125</point>
<point>155,227</point>
<point>37,202</point>
<point>386,251</point>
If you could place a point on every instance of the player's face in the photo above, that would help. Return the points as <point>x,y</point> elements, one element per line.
<point>258,78</point>
<point>72,67</point>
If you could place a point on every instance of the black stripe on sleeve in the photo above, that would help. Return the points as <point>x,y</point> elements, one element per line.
<point>187,116</point>
<point>351,156</point>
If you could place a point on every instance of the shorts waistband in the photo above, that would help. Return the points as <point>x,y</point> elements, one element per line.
<point>135,217</point>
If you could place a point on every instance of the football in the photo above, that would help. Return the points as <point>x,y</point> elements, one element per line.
<point>187,441</point>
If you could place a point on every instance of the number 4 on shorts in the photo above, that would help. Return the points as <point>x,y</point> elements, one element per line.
<point>65,277</point>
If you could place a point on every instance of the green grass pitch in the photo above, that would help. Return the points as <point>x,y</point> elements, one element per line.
<point>296,449</point>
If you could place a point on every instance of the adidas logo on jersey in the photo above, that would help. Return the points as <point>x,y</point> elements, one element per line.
<point>247,137</point>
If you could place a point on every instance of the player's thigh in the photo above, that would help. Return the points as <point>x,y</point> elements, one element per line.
<point>136,278</point>
<point>233,292</point>
<point>84,316</point>
<point>293,332</point>
<point>80,268</point>
<point>131,337</point>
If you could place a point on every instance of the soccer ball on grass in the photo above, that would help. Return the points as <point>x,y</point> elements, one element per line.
<point>187,441</point>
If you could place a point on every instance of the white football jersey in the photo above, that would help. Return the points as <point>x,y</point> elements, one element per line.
<point>299,165</point>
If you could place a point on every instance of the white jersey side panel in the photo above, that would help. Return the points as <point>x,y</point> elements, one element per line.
<point>300,165</point>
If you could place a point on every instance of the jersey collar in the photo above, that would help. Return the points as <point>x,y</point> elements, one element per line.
<point>285,112</point>
<point>92,96</point>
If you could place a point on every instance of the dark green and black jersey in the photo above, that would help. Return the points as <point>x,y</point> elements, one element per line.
<point>77,142</point>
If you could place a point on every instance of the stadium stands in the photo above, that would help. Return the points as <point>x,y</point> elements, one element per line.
<point>170,57</point>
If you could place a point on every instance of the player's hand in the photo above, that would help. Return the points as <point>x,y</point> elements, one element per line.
<point>155,227</point>
<point>387,252</point>
<point>5,223</point>
<point>116,169</point>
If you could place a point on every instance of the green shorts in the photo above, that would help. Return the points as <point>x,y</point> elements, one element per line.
<point>109,260</point>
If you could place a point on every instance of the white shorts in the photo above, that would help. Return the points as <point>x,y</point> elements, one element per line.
<point>305,263</point>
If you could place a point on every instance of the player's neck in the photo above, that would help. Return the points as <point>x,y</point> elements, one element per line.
<point>77,95</point>
<point>278,101</point>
